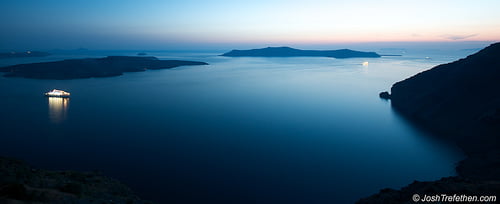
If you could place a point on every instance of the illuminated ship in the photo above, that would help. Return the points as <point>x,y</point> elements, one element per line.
<point>57,93</point>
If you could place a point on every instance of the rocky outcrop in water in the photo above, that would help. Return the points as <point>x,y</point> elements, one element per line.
<point>91,67</point>
<point>385,95</point>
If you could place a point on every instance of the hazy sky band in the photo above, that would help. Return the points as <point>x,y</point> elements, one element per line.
<point>155,24</point>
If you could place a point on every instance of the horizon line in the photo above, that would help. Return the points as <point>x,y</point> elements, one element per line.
<point>235,45</point>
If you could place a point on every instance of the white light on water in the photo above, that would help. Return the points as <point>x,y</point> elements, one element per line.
<point>58,108</point>
<point>365,64</point>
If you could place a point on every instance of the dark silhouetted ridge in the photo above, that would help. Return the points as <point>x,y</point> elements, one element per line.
<point>459,101</point>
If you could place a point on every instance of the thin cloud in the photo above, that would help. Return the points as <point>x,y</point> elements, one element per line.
<point>458,37</point>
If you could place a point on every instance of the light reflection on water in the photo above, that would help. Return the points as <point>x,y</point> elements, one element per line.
<point>247,130</point>
<point>58,109</point>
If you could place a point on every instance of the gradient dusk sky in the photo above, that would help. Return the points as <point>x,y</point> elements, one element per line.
<point>156,24</point>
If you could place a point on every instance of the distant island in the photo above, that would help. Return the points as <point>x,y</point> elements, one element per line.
<point>91,67</point>
<point>23,54</point>
<point>384,55</point>
<point>292,52</point>
<point>459,101</point>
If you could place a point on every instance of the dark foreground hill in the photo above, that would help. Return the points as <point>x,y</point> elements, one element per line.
<point>459,101</point>
<point>91,67</point>
<point>21,183</point>
<point>291,52</point>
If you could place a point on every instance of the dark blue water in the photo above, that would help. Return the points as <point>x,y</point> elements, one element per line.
<point>240,130</point>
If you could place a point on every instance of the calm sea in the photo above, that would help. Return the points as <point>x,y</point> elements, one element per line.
<point>240,130</point>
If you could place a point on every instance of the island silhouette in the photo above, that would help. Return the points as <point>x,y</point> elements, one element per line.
<point>292,52</point>
<point>91,67</point>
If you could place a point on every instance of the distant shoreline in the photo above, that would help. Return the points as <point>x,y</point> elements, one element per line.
<point>7,55</point>
<point>391,55</point>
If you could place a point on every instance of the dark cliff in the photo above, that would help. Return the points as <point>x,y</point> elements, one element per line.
<point>459,100</point>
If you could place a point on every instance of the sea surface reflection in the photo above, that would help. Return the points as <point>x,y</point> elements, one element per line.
<point>240,130</point>
<point>58,109</point>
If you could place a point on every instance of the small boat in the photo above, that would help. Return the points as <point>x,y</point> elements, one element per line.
<point>57,93</point>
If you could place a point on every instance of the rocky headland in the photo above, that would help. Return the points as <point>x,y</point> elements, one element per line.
<point>459,101</point>
<point>292,52</point>
<point>91,67</point>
